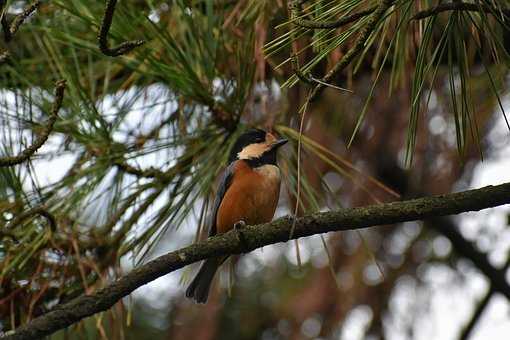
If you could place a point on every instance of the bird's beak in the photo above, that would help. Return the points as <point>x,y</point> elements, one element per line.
<point>279,143</point>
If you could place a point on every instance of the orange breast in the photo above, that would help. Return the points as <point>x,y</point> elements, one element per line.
<point>252,197</point>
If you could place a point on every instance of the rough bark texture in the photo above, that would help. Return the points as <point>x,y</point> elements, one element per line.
<point>253,237</point>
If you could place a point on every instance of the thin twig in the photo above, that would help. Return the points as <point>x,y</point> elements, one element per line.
<point>139,143</point>
<point>449,6</point>
<point>257,236</point>
<point>376,14</point>
<point>356,49</point>
<point>128,203</point>
<point>102,37</point>
<point>331,85</point>
<point>334,23</point>
<point>295,12</point>
<point>43,137</point>
<point>298,193</point>
<point>162,176</point>
<point>294,7</point>
<point>12,29</point>
<point>459,6</point>
<point>147,173</point>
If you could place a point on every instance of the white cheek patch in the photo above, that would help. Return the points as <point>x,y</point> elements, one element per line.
<point>252,151</point>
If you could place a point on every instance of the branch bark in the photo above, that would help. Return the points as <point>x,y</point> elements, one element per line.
<point>254,237</point>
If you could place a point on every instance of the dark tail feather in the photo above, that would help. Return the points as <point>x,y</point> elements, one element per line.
<point>199,287</point>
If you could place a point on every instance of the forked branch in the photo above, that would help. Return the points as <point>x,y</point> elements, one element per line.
<point>102,37</point>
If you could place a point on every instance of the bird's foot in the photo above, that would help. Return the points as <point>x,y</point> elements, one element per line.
<point>238,227</point>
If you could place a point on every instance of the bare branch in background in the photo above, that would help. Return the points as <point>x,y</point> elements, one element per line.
<point>43,137</point>
<point>102,37</point>
<point>254,237</point>
<point>467,330</point>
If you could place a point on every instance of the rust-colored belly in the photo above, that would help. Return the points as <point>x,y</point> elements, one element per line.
<point>252,197</point>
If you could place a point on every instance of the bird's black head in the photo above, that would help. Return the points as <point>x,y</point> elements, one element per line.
<point>257,147</point>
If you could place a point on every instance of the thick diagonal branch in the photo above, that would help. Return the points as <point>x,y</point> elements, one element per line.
<point>45,133</point>
<point>255,237</point>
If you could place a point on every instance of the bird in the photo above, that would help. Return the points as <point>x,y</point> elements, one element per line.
<point>247,194</point>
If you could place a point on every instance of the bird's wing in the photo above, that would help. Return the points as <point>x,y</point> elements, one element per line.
<point>225,182</point>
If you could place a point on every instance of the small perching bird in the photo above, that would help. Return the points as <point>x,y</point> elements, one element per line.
<point>247,195</point>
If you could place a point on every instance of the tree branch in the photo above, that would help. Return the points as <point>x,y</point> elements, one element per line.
<point>376,14</point>
<point>480,307</point>
<point>334,23</point>
<point>468,328</point>
<point>10,30</point>
<point>254,237</point>
<point>355,50</point>
<point>444,7</point>
<point>459,6</point>
<point>466,249</point>
<point>102,37</point>
<point>147,173</point>
<point>43,137</point>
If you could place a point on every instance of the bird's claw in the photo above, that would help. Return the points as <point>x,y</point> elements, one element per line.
<point>238,227</point>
